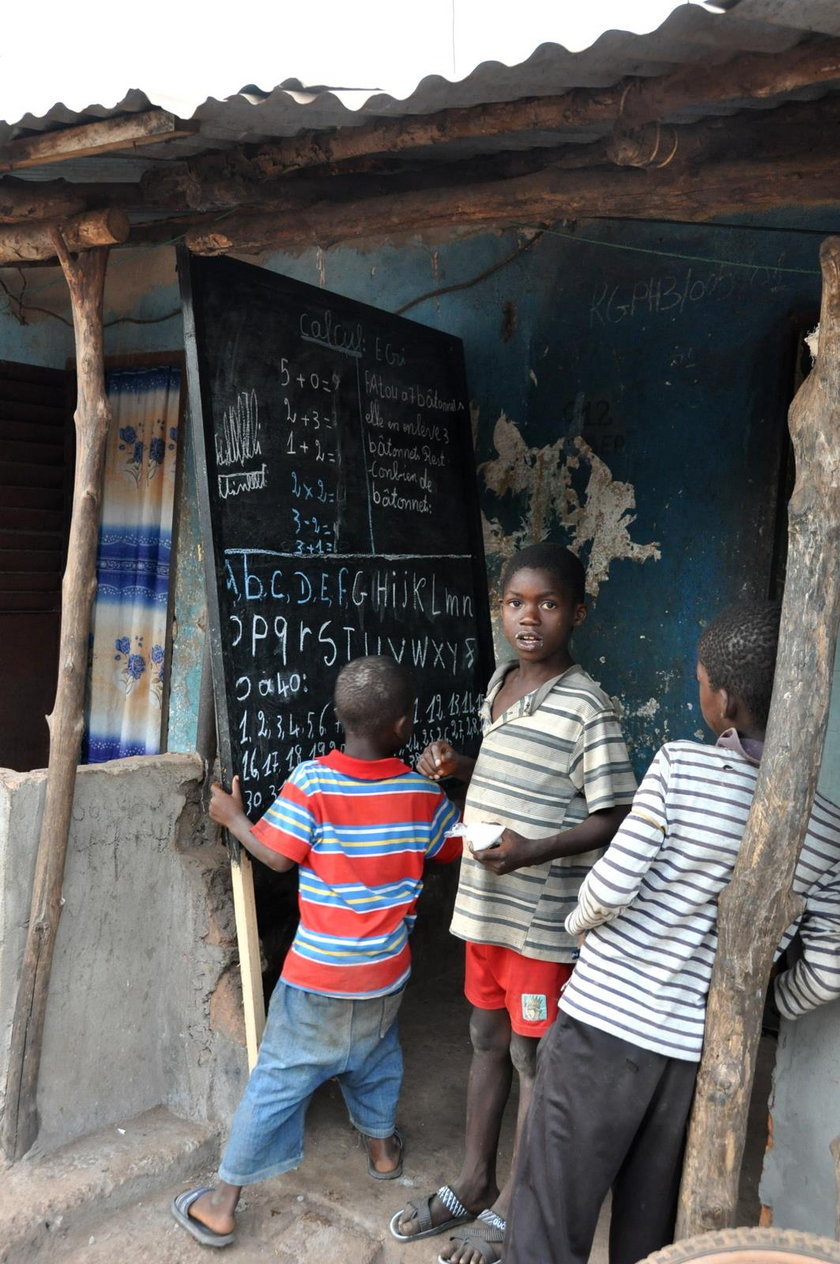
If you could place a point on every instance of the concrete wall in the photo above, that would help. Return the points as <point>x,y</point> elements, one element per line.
<point>143,994</point>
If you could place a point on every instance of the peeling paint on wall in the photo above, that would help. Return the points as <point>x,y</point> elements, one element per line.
<point>601,517</point>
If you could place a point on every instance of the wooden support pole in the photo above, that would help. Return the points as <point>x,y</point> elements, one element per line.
<point>85,277</point>
<point>757,905</point>
<point>32,242</point>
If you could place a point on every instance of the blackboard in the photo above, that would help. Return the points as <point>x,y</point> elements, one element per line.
<point>339,514</point>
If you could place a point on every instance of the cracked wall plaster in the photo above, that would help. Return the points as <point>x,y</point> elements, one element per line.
<point>601,517</point>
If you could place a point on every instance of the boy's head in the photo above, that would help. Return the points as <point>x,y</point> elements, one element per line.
<point>566,570</point>
<point>542,603</point>
<point>374,699</point>
<point>736,661</point>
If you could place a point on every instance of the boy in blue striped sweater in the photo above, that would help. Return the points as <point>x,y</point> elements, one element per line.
<point>617,1070</point>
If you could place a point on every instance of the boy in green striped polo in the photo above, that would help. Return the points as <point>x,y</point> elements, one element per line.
<point>553,769</point>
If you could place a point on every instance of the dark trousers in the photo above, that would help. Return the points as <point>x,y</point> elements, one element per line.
<point>605,1115</point>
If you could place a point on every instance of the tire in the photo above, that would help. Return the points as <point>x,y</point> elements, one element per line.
<point>749,1246</point>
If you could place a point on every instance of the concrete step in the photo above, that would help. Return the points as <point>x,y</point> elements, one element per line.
<point>52,1202</point>
<point>272,1228</point>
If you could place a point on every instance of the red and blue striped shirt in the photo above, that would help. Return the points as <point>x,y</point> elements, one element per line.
<point>360,831</point>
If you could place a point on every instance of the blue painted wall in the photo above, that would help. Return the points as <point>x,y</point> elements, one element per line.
<point>629,383</point>
<point>665,350</point>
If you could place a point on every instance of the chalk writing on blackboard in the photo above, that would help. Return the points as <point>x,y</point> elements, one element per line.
<point>340,499</point>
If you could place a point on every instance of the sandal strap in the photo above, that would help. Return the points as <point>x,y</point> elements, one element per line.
<point>493,1219</point>
<point>451,1201</point>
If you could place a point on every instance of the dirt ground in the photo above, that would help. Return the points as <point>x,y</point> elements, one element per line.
<point>330,1209</point>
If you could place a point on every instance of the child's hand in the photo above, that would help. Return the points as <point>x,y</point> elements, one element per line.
<point>225,809</point>
<point>439,760</point>
<point>510,853</point>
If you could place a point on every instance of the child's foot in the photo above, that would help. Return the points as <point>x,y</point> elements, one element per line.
<point>207,1211</point>
<point>207,1214</point>
<point>385,1156</point>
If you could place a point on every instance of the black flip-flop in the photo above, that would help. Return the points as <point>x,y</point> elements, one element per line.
<point>423,1212</point>
<point>202,1233</point>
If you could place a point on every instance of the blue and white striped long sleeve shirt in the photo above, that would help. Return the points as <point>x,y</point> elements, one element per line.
<point>650,903</point>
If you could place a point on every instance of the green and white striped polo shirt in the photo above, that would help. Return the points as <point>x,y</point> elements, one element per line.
<point>545,764</point>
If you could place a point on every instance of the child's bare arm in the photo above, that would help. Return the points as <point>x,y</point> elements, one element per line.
<point>517,852</point>
<point>440,760</point>
<point>227,810</point>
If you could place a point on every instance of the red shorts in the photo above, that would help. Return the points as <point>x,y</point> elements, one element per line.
<point>499,978</point>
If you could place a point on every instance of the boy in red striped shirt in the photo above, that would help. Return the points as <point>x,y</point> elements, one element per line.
<point>360,825</point>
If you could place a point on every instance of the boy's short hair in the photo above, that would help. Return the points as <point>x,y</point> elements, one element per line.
<point>565,568</point>
<point>373,693</point>
<point>738,651</point>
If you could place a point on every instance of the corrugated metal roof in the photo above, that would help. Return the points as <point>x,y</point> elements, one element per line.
<point>255,116</point>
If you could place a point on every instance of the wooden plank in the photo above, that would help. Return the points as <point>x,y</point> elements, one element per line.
<point>23,392</point>
<point>35,433</point>
<point>29,602</point>
<point>758,904</point>
<point>40,499</point>
<point>29,581</point>
<point>37,519</point>
<point>23,452</point>
<point>28,565</point>
<point>248,939</point>
<point>43,418</point>
<point>13,371</point>
<point>128,131</point>
<point>20,474</point>
<point>23,540</point>
<point>44,558</point>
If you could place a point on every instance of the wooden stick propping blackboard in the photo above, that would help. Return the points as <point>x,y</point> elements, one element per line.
<point>248,939</point>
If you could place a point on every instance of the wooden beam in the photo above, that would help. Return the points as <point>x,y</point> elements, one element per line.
<point>128,131</point>
<point>25,244</point>
<point>634,101</point>
<point>758,904</point>
<point>36,199</point>
<point>86,280</point>
<point>232,188</point>
<point>540,199</point>
<point>798,130</point>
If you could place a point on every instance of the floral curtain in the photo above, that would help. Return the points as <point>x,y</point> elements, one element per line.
<point>130,653</point>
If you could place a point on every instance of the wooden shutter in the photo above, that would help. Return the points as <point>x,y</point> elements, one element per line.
<point>36,467</point>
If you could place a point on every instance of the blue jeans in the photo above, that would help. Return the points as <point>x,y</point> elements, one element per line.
<point>309,1039</point>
